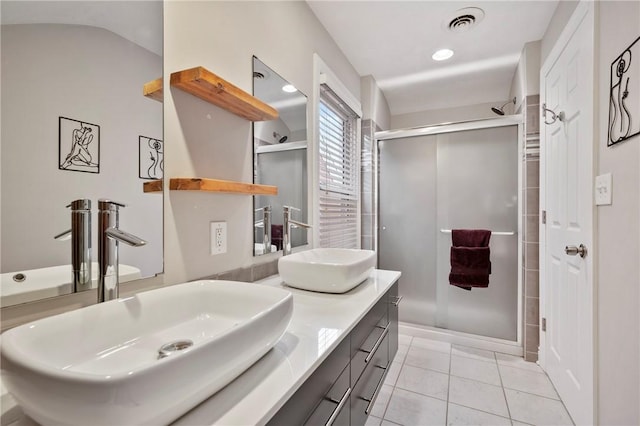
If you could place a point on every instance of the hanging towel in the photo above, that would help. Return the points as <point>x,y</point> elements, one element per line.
<point>470,258</point>
<point>276,236</point>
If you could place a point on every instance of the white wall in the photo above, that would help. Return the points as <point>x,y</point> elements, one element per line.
<point>68,70</point>
<point>618,236</point>
<point>437,116</point>
<point>374,103</point>
<point>560,18</point>
<point>206,141</point>
<point>526,80</point>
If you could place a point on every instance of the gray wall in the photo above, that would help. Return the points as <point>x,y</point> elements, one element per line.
<point>206,141</point>
<point>617,236</point>
<point>53,70</point>
<point>210,142</point>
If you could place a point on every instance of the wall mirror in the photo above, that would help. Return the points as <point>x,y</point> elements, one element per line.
<point>280,159</point>
<point>75,125</point>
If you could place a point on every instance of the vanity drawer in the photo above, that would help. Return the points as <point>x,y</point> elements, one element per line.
<point>335,407</point>
<point>367,337</point>
<point>366,391</point>
<point>313,391</point>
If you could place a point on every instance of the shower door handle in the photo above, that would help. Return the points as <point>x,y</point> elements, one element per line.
<point>573,250</point>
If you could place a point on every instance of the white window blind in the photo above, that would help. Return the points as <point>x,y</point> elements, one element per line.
<point>338,172</point>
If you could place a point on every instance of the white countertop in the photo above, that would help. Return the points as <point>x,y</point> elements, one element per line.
<point>320,321</point>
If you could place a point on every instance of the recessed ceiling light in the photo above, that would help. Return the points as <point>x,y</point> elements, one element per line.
<point>442,55</point>
<point>289,88</point>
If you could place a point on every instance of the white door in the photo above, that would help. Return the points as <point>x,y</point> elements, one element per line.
<point>567,87</point>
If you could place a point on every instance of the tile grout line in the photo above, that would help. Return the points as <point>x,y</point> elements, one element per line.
<point>446,415</point>
<point>393,387</point>
<point>482,411</point>
<point>504,393</point>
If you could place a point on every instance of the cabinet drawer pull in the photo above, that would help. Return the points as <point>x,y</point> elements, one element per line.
<point>372,401</point>
<point>397,301</point>
<point>378,343</point>
<point>337,410</point>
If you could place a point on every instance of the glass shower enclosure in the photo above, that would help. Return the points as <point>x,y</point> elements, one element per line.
<point>443,178</point>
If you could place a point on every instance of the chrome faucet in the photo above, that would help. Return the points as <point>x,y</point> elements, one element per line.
<point>80,234</point>
<point>266,228</point>
<point>286,228</point>
<point>109,237</point>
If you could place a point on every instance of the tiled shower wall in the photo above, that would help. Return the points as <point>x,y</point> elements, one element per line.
<point>531,221</point>
<point>367,190</point>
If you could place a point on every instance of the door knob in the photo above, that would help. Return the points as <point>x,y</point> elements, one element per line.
<point>573,250</point>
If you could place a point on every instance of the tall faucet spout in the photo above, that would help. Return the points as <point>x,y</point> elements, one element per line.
<point>286,229</point>
<point>109,235</point>
<point>125,237</point>
<point>80,234</point>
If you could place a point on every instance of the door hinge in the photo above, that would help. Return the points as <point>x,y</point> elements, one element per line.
<point>544,324</point>
<point>544,216</point>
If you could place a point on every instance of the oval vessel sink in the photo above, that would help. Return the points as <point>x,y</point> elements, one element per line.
<point>327,270</point>
<point>145,359</point>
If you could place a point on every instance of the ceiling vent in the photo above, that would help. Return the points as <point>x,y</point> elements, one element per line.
<point>464,19</point>
<point>258,75</point>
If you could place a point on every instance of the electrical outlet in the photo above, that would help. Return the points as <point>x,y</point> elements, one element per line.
<point>603,189</point>
<point>218,237</point>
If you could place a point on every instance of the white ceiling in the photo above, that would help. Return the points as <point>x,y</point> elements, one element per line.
<point>138,21</point>
<point>393,41</point>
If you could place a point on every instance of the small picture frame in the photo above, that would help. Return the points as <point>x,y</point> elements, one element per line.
<point>624,95</point>
<point>78,146</point>
<point>151,158</point>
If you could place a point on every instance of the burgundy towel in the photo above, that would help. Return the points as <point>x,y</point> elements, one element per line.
<point>470,237</point>
<point>276,236</point>
<point>470,258</point>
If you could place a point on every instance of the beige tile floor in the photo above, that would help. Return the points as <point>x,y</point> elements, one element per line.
<point>436,383</point>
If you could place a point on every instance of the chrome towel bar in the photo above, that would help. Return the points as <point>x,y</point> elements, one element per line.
<point>448,231</point>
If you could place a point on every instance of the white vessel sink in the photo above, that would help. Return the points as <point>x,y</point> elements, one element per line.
<point>35,284</point>
<point>101,365</point>
<point>327,270</point>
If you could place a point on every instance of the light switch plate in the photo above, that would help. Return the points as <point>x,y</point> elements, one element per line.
<point>603,189</point>
<point>218,237</point>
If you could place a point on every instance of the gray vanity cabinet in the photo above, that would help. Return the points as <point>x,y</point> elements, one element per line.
<point>394,302</point>
<point>320,395</point>
<point>342,390</point>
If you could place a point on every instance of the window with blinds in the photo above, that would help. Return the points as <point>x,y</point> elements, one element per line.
<point>338,172</point>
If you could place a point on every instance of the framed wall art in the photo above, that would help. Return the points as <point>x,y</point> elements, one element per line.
<point>151,158</point>
<point>78,146</point>
<point>624,95</point>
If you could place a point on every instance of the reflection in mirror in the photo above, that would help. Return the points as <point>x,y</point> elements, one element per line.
<point>76,128</point>
<point>280,159</point>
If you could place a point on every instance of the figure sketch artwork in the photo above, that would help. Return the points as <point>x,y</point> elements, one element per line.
<point>78,146</point>
<point>624,95</point>
<point>151,165</point>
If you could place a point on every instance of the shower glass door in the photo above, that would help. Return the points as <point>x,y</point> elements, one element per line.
<point>429,185</point>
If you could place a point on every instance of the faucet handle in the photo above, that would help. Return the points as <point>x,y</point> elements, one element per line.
<point>63,236</point>
<point>291,208</point>
<point>265,208</point>
<point>80,204</point>
<point>105,204</point>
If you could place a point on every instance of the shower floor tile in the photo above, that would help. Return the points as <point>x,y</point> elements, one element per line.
<point>436,383</point>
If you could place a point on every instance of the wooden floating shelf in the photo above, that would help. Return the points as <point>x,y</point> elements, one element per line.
<point>218,185</point>
<point>152,186</point>
<point>206,85</point>
<point>153,90</point>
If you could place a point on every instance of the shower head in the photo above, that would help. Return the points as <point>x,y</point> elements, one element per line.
<point>500,111</point>
<point>280,138</point>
